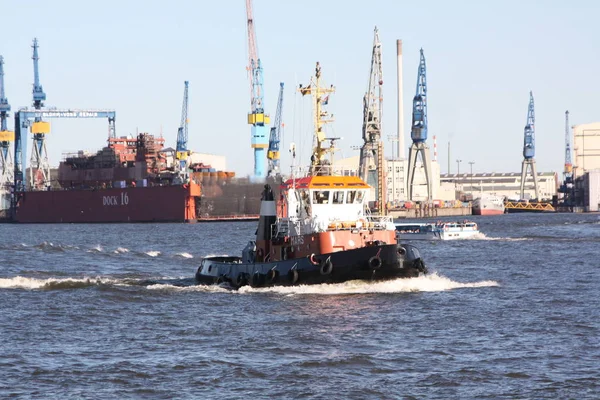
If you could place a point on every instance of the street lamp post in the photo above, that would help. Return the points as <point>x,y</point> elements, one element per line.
<point>471,163</point>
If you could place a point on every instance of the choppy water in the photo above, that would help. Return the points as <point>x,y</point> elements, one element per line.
<point>111,311</point>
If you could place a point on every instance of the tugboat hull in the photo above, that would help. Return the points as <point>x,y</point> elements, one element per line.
<point>373,263</point>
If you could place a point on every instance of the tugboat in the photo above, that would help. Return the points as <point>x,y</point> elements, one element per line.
<point>319,231</point>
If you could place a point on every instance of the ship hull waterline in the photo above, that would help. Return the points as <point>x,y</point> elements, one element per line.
<point>371,263</point>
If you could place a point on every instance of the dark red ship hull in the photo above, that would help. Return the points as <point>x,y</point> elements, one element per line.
<point>133,204</point>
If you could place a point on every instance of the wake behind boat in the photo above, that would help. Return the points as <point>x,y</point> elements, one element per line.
<point>320,231</point>
<point>436,231</point>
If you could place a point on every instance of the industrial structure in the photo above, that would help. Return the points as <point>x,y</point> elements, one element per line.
<point>257,116</point>
<point>39,167</point>
<point>418,134</point>
<point>529,150</point>
<point>182,152</point>
<point>371,166</point>
<point>275,137</point>
<point>566,188</point>
<point>6,138</point>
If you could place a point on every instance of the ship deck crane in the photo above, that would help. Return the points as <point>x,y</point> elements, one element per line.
<point>6,136</point>
<point>39,167</point>
<point>275,137</point>
<point>256,117</point>
<point>567,185</point>
<point>418,133</point>
<point>371,152</point>
<point>182,134</point>
<point>529,149</point>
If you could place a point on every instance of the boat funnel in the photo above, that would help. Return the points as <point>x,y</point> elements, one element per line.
<point>268,214</point>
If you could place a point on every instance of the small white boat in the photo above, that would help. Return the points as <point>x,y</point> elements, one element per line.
<point>436,231</point>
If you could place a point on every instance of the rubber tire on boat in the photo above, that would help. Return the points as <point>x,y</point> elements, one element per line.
<point>375,262</point>
<point>241,280</point>
<point>218,280</point>
<point>293,276</point>
<point>313,260</point>
<point>326,267</point>
<point>420,265</point>
<point>257,280</point>
<point>401,251</point>
<point>272,276</point>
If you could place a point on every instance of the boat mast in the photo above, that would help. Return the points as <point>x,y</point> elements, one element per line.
<point>318,164</point>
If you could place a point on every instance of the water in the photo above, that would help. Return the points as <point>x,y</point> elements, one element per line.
<point>111,311</point>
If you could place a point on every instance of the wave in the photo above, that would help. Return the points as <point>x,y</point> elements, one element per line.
<point>21,282</point>
<point>428,283</point>
<point>153,253</point>
<point>184,255</point>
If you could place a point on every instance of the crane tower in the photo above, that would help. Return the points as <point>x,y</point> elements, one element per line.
<point>6,136</point>
<point>256,117</point>
<point>371,152</point>
<point>529,149</point>
<point>39,167</point>
<point>568,173</point>
<point>275,136</point>
<point>182,134</point>
<point>418,133</point>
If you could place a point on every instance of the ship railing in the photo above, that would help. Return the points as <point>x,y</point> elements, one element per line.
<point>324,170</point>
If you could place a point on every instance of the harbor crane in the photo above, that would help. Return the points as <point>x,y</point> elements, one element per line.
<point>418,133</point>
<point>275,137</point>
<point>567,186</point>
<point>529,150</point>
<point>39,167</point>
<point>371,152</point>
<point>257,116</point>
<point>6,136</point>
<point>182,152</point>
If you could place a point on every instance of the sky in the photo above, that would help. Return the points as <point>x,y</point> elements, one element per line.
<point>483,58</point>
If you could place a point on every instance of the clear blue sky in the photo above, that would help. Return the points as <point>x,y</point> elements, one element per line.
<point>482,60</point>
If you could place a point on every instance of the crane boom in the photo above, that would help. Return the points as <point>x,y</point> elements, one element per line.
<point>371,152</point>
<point>275,136</point>
<point>182,132</point>
<point>4,106</point>
<point>256,117</point>
<point>38,92</point>
<point>418,132</point>
<point>568,162</point>
<point>529,133</point>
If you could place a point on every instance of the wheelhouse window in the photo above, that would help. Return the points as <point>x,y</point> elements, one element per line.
<point>338,197</point>
<point>354,196</point>
<point>320,196</point>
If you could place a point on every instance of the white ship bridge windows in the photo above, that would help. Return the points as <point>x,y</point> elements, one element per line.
<point>338,197</point>
<point>320,197</point>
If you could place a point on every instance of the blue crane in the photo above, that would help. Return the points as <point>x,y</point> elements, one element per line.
<point>529,150</point>
<point>529,137</point>
<point>40,167</point>
<point>182,132</point>
<point>418,134</point>
<point>275,136</point>
<point>256,117</point>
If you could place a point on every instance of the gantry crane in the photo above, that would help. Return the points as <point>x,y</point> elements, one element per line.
<point>6,136</point>
<point>182,134</point>
<point>275,137</point>
<point>529,149</point>
<point>256,117</point>
<point>39,167</point>
<point>418,133</point>
<point>371,152</point>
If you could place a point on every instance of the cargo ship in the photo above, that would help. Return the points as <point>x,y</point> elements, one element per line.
<point>488,205</point>
<point>134,179</point>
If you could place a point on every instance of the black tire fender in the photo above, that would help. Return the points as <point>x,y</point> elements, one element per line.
<point>273,275</point>
<point>326,267</point>
<point>375,262</point>
<point>401,251</point>
<point>293,276</point>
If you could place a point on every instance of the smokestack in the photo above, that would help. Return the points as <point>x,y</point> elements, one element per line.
<point>400,102</point>
<point>434,148</point>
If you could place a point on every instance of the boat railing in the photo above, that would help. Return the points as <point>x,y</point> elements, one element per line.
<point>320,170</point>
